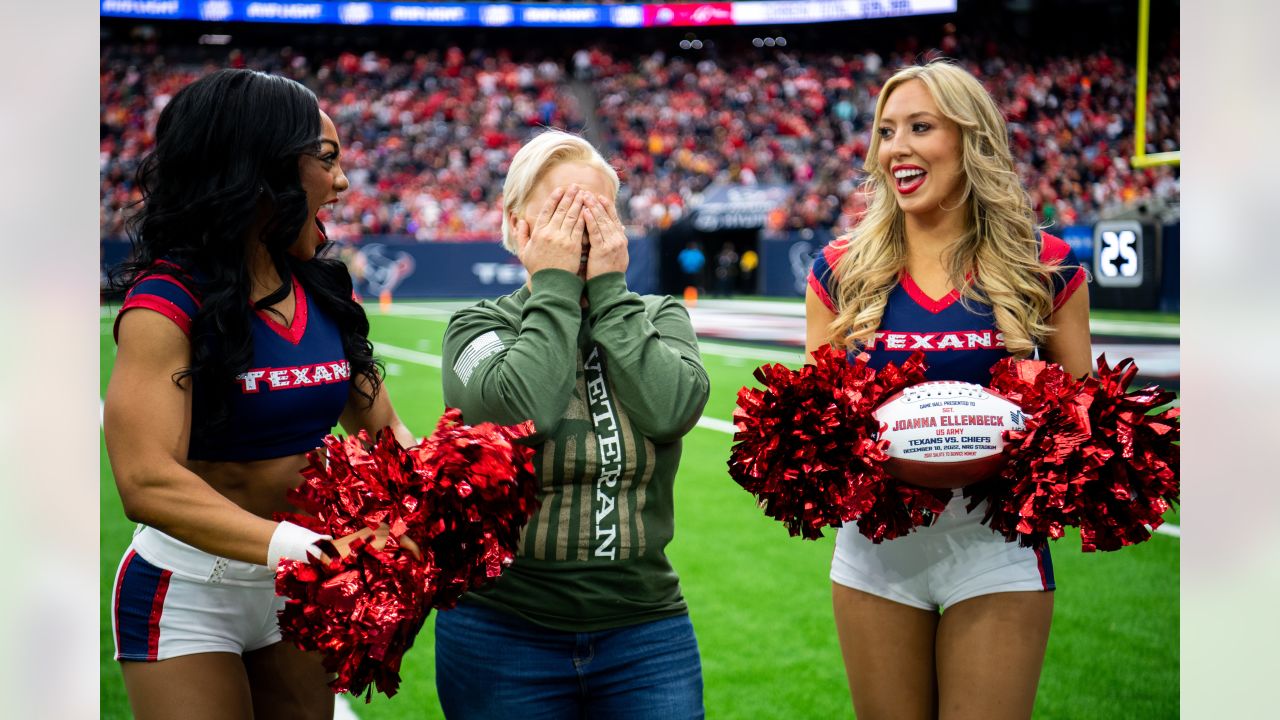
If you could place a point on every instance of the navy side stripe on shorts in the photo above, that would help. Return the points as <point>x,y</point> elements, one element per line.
<point>1045,561</point>
<point>139,602</point>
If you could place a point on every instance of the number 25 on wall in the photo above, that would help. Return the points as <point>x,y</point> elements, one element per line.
<point>1117,253</point>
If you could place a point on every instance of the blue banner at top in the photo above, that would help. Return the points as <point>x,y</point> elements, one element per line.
<point>474,14</point>
<point>148,9</point>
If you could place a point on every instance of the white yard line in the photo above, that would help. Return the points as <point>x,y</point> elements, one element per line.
<point>709,348</point>
<point>407,355</point>
<point>1135,328</point>
<point>795,357</point>
<point>717,425</point>
<point>418,311</point>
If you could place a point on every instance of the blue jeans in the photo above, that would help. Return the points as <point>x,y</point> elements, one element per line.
<point>493,665</point>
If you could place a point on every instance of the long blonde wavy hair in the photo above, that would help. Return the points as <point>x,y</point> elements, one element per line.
<point>999,248</point>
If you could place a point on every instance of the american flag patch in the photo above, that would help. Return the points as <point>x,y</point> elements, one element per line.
<point>479,349</point>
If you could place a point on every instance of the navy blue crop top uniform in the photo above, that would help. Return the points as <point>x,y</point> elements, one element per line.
<point>960,340</point>
<point>290,397</point>
<point>172,599</point>
<point>956,557</point>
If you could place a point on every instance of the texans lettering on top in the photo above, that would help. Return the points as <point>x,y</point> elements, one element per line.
<point>305,358</point>
<point>294,377</point>
<point>914,322</point>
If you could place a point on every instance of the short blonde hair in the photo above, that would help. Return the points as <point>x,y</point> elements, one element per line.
<point>533,161</point>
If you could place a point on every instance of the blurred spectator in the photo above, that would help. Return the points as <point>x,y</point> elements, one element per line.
<point>747,269</point>
<point>691,262</point>
<point>726,270</point>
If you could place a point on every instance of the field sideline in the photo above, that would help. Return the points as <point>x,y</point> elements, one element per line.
<point>760,600</point>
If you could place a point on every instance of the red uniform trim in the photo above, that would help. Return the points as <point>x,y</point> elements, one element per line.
<point>157,607</point>
<point>296,329</point>
<point>832,256</point>
<point>169,279</point>
<point>161,305</point>
<point>1053,250</point>
<point>923,300</point>
<point>1044,581</point>
<point>1072,285</point>
<point>821,292</point>
<point>158,304</point>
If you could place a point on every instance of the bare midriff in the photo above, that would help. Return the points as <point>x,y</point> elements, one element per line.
<point>258,486</point>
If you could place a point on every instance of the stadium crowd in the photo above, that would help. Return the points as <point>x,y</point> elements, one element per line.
<point>426,139</point>
<point>428,135</point>
<point>678,126</point>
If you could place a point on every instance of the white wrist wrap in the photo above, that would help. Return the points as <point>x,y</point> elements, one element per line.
<point>293,542</point>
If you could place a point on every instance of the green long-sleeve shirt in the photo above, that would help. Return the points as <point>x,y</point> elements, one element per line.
<point>611,389</point>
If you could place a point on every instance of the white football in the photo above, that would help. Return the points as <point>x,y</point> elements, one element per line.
<point>946,434</point>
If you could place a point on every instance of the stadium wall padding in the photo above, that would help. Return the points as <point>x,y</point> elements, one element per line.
<point>410,269</point>
<point>785,259</point>
<point>414,269</point>
<point>1170,268</point>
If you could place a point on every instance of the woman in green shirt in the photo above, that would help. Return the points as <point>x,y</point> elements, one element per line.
<point>589,621</point>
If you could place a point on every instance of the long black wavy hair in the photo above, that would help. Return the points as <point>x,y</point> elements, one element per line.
<point>227,150</point>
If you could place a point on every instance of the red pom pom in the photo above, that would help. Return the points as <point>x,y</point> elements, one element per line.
<point>361,613</point>
<point>463,495</point>
<point>806,448</point>
<point>1093,456</point>
<point>482,491</point>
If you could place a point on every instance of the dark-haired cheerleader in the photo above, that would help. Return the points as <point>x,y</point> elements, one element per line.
<point>246,348</point>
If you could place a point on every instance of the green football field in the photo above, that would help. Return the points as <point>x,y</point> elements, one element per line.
<point>759,599</point>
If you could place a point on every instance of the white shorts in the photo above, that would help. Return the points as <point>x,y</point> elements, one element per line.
<point>934,567</point>
<point>171,599</point>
